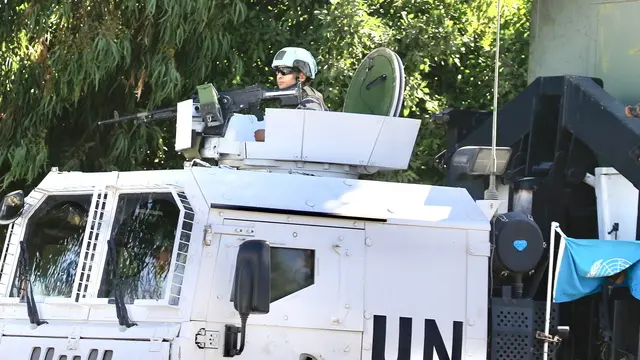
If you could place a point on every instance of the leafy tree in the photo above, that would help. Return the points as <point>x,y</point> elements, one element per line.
<point>68,65</point>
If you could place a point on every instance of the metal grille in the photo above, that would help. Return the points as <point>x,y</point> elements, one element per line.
<point>186,228</point>
<point>514,324</point>
<point>51,353</point>
<point>92,235</point>
<point>8,253</point>
<point>538,323</point>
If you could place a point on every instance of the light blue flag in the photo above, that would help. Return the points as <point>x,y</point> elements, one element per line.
<point>584,265</point>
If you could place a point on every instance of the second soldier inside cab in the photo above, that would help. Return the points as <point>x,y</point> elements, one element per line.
<point>293,65</point>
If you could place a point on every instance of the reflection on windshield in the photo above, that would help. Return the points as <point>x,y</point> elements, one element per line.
<point>53,237</point>
<point>144,230</point>
<point>291,271</point>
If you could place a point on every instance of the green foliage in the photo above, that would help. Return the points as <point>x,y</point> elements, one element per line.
<point>67,65</point>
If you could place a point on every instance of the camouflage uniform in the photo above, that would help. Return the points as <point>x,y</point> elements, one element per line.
<point>312,99</point>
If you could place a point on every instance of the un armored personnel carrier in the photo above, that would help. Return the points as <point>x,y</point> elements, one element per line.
<point>267,250</point>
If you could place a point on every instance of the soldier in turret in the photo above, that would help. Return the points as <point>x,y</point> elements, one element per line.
<point>293,65</point>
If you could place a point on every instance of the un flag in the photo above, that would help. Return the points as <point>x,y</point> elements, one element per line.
<point>584,265</point>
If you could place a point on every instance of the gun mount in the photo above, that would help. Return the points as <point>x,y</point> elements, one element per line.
<point>302,141</point>
<point>320,143</point>
<point>209,126</point>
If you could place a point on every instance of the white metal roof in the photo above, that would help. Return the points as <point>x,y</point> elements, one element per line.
<point>397,203</point>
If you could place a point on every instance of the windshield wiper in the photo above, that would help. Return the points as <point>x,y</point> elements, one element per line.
<point>121,308</point>
<point>32,309</point>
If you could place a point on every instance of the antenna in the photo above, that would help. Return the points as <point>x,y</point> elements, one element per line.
<point>492,193</point>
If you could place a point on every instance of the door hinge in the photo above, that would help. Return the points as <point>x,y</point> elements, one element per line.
<point>207,339</point>
<point>235,230</point>
<point>72,342</point>
<point>156,345</point>
<point>208,234</point>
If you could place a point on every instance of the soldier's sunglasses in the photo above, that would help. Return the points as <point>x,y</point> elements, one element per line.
<point>285,70</point>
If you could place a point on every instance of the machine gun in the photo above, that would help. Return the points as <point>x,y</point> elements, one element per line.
<point>250,98</point>
<point>207,114</point>
<point>216,108</point>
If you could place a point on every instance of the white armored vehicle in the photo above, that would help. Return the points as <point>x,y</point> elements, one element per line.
<point>278,250</point>
<point>170,264</point>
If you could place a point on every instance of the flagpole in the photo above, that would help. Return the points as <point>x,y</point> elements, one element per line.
<point>559,231</point>
<point>547,316</point>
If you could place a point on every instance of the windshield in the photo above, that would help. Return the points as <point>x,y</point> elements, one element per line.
<point>53,239</point>
<point>144,230</point>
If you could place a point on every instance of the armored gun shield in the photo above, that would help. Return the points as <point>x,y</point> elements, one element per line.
<point>188,124</point>
<point>377,87</point>
<point>192,118</point>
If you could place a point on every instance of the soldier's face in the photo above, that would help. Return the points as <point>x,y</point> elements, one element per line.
<point>286,77</point>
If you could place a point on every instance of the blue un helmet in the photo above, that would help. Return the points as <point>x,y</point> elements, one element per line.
<point>296,57</point>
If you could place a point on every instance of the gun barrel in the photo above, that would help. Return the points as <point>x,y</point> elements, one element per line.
<point>145,116</point>
<point>160,114</point>
<point>117,118</point>
<point>278,93</point>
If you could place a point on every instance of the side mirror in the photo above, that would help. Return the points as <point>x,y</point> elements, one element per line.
<point>11,207</point>
<point>251,292</point>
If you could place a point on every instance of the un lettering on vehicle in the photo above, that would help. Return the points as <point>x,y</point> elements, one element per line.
<point>434,342</point>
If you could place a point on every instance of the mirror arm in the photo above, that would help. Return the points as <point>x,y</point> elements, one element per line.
<point>231,337</point>
<point>32,309</point>
<point>243,329</point>
<point>121,307</point>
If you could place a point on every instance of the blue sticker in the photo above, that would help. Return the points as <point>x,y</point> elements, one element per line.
<point>520,244</point>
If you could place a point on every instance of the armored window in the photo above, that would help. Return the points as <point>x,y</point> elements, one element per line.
<point>291,270</point>
<point>53,238</point>
<point>144,230</point>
